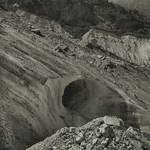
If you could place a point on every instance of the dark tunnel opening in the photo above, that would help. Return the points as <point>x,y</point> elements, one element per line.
<point>92,100</point>
<point>75,95</point>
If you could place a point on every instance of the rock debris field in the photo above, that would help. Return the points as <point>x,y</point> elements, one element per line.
<point>107,133</point>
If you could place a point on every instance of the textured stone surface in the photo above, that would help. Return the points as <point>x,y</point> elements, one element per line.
<point>142,6</point>
<point>50,81</point>
<point>112,138</point>
<point>91,14</point>
<point>130,48</point>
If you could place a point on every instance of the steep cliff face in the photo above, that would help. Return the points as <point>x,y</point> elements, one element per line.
<point>49,80</point>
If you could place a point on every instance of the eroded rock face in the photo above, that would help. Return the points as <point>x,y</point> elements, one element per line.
<point>32,110</point>
<point>130,48</point>
<point>48,82</point>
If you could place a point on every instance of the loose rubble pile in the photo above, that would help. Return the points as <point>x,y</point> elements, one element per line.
<point>107,133</point>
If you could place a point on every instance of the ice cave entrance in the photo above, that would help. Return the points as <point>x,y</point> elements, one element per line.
<point>91,100</point>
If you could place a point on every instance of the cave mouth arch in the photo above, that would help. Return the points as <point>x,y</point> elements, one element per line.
<point>91,99</point>
<point>76,95</point>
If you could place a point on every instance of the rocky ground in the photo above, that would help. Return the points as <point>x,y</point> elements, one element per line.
<point>107,133</point>
<point>58,69</point>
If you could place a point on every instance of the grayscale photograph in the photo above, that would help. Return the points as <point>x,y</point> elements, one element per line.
<point>74,74</point>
